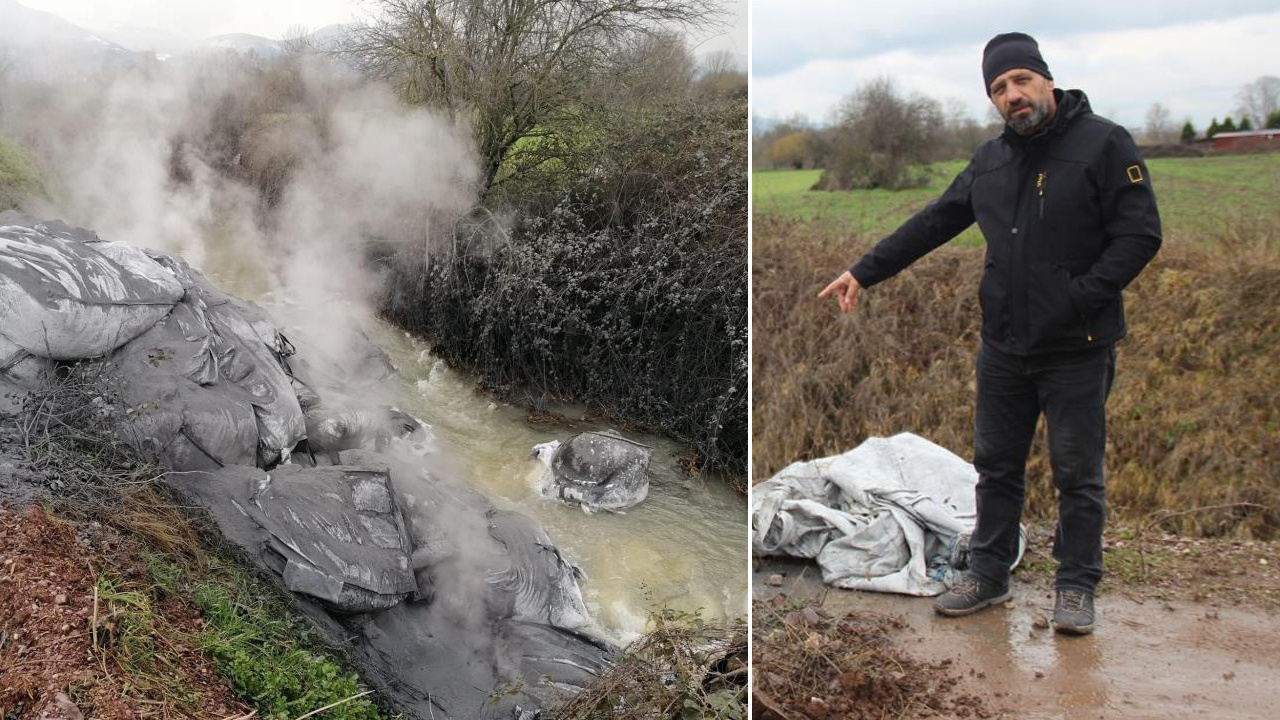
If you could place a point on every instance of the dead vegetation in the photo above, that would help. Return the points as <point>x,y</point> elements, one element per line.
<point>808,663</point>
<point>685,668</point>
<point>1194,422</point>
<point>71,438</point>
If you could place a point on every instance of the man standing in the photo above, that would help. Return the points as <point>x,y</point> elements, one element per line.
<point>1066,207</point>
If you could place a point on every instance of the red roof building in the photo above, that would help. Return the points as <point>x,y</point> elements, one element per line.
<point>1246,140</point>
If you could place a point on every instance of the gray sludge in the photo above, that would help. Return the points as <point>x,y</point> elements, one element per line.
<point>466,634</point>
<point>448,606</point>
<point>596,470</point>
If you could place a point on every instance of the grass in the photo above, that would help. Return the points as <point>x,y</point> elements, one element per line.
<point>271,659</point>
<point>844,215</point>
<point>19,177</point>
<point>1193,417</point>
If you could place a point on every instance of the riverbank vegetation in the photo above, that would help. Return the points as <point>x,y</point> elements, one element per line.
<point>1194,428</point>
<point>608,265</point>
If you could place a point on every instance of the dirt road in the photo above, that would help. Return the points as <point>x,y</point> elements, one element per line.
<point>1184,645</point>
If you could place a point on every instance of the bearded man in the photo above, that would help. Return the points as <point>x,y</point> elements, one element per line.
<point>1066,207</point>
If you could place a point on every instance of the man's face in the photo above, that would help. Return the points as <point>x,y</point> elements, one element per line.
<point>1024,99</point>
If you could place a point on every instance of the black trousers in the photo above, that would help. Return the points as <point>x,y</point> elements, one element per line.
<point>1071,390</point>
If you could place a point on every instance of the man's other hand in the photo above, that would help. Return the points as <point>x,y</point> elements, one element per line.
<point>845,288</point>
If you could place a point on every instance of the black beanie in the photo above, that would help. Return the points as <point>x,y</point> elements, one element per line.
<point>1007,51</point>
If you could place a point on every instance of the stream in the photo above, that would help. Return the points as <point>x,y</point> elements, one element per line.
<point>683,548</point>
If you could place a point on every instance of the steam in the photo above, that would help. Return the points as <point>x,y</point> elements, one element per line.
<point>271,179</point>
<point>272,182</point>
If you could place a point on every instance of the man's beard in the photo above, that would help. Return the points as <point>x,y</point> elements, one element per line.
<point>1030,121</point>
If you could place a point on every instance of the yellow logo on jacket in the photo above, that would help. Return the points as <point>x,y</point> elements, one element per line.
<point>1135,173</point>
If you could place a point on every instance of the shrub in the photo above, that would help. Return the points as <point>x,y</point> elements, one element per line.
<point>623,288</point>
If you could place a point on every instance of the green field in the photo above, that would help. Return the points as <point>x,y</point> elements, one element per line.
<point>1197,197</point>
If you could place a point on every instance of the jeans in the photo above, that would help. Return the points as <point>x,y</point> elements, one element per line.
<point>1071,389</point>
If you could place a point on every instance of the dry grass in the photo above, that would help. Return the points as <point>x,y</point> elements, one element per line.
<point>72,436</point>
<point>685,668</point>
<point>1194,416</point>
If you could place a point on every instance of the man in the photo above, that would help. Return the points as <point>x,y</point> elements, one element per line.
<point>1066,207</point>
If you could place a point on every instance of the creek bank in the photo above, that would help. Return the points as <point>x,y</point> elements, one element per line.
<point>473,607</point>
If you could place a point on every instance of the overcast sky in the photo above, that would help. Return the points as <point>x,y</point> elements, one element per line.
<point>1191,55</point>
<point>198,19</point>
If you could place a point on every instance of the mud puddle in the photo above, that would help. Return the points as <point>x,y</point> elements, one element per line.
<point>1148,659</point>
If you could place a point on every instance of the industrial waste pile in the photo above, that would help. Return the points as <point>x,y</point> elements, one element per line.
<point>449,606</point>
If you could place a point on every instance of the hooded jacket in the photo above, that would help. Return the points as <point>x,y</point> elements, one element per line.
<point>1069,219</point>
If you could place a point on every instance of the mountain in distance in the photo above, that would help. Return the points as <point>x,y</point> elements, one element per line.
<point>242,43</point>
<point>145,39</point>
<point>22,28</point>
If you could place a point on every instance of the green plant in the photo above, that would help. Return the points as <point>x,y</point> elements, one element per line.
<point>268,657</point>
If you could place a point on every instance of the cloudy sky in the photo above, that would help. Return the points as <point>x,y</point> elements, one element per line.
<point>197,19</point>
<point>1191,55</point>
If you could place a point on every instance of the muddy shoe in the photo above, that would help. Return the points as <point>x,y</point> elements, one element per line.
<point>1073,612</point>
<point>969,595</point>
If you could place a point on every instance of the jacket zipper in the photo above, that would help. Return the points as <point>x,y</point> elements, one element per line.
<point>1040,190</point>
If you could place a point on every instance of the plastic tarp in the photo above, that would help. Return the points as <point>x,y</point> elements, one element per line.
<point>206,383</point>
<point>889,515</point>
<point>484,653</point>
<point>66,295</point>
<point>596,470</point>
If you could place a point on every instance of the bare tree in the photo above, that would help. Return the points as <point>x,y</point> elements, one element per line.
<point>1160,128</point>
<point>1259,99</point>
<point>508,68</point>
<point>880,136</point>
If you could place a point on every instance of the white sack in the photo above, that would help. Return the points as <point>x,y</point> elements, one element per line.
<point>884,516</point>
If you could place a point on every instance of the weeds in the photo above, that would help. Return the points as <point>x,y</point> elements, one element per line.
<point>684,669</point>
<point>268,658</point>
<point>624,290</point>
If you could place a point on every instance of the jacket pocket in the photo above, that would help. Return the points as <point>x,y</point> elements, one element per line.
<point>1052,317</point>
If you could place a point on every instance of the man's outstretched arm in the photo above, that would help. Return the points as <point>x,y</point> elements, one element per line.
<point>940,221</point>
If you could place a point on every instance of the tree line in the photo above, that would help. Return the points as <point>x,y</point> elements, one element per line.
<point>881,138</point>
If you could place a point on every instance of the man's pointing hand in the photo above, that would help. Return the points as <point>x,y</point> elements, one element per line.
<point>845,288</point>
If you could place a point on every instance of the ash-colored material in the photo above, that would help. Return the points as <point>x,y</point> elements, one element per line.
<point>886,516</point>
<point>67,295</point>
<point>201,373</point>
<point>340,533</point>
<point>206,385</point>
<point>479,639</point>
<point>596,470</point>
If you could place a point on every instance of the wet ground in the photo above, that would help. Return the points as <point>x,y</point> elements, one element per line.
<point>1149,658</point>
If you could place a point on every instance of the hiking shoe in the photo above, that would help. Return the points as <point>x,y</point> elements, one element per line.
<point>1073,612</point>
<point>969,595</point>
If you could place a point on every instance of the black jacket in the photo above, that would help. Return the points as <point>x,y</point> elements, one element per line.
<point>1069,219</point>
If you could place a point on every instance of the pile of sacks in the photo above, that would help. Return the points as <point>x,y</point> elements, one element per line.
<point>201,372</point>
<point>207,385</point>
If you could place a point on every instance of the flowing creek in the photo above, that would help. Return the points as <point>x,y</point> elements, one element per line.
<point>683,548</point>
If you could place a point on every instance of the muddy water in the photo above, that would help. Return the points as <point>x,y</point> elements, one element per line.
<point>683,548</point>
<point>1146,660</point>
